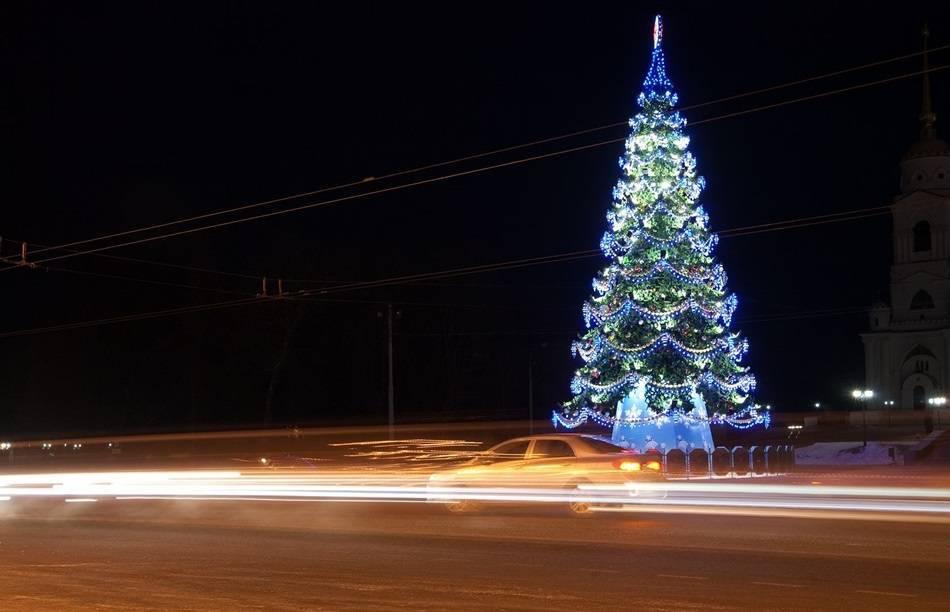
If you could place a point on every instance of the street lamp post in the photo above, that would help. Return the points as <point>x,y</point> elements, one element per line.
<point>936,402</point>
<point>390,386</point>
<point>888,410</point>
<point>863,396</point>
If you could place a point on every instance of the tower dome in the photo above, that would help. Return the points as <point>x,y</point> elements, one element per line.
<point>926,165</point>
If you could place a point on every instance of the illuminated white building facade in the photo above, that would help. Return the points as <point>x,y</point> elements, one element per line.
<point>907,350</point>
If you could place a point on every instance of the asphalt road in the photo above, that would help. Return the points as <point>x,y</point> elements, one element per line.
<point>228,555</point>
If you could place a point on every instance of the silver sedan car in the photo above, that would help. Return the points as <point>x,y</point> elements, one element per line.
<point>540,463</point>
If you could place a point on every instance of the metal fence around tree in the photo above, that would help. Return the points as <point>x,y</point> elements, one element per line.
<point>737,462</point>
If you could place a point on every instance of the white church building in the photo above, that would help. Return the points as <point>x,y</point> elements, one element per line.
<point>907,350</point>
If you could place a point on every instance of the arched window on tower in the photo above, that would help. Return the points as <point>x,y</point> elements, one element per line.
<point>921,236</point>
<point>921,301</point>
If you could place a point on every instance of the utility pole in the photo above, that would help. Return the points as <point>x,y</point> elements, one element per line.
<point>389,327</point>
<point>531,353</point>
<point>530,393</point>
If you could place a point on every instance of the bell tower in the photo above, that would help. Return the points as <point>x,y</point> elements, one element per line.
<point>907,352</point>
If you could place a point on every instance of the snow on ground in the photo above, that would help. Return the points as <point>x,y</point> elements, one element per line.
<point>844,453</point>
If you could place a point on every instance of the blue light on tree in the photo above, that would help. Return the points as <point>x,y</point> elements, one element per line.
<point>660,362</point>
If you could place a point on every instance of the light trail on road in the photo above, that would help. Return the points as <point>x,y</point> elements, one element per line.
<point>388,486</point>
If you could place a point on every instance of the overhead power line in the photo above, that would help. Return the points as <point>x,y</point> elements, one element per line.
<point>147,281</point>
<point>807,314</point>
<point>832,218</point>
<point>133,317</point>
<point>312,205</point>
<point>787,316</point>
<point>532,261</point>
<point>456,174</point>
<point>468,270</point>
<point>587,253</point>
<point>825,313</point>
<point>819,77</point>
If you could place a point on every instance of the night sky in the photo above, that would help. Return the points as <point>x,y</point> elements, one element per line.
<point>122,115</point>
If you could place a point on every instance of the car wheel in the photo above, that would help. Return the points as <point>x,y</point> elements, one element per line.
<point>461,506</point>
<point>579,508</point>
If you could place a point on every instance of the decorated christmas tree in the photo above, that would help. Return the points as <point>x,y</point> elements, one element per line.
<point>660,361</point>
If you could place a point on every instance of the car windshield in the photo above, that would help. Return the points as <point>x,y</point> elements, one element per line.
<point>602,446</point>
<point>510,451</point>
<point>551,449</point>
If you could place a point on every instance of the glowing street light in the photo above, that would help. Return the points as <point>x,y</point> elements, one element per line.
<point>863,395</point>
<point>937,401</point>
